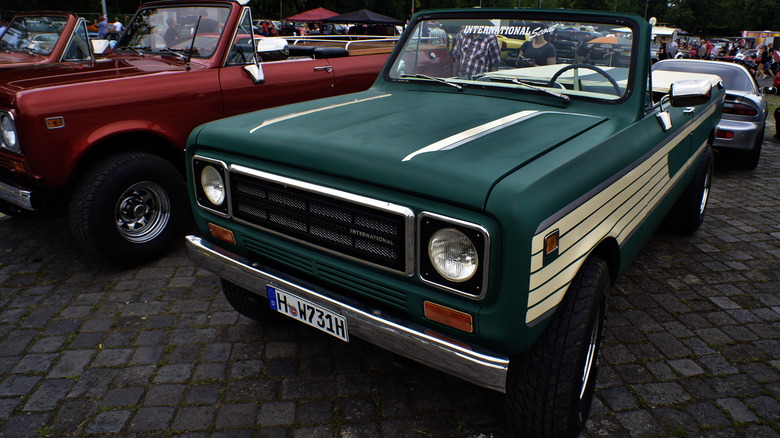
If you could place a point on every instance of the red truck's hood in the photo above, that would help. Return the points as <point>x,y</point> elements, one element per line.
<point>14,80</point>
<point>9,59</point>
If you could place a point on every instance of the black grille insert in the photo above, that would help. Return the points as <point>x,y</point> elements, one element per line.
<point>359,231</point>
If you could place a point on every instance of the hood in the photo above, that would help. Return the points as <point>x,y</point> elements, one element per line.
<point>452,147</point>
<point>15,79</point>
<point>8,59</point>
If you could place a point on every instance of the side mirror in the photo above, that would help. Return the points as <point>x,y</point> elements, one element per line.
<point>690,92</point>
<point>99,47</point>
<point>769,90</point>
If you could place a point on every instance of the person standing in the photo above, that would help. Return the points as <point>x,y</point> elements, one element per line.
<point>118,26</point>
<point>663,51</point>
<point>103,27</point>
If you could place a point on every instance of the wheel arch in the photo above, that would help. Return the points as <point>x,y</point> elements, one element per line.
<point>609,250</point>
<point>151,143</point>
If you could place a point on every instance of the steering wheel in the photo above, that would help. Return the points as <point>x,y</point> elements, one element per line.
<point>589,67</point>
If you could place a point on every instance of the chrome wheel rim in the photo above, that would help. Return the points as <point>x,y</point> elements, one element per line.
<point>590,357</point>
<point>706,192</point>
<point>142,212</point>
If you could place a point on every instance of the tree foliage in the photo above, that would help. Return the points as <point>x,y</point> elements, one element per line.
<point>703,17</point>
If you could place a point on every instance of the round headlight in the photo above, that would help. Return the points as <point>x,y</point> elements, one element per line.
<point>213,185</point>
<point>453,255</point>
<point>8,128</point>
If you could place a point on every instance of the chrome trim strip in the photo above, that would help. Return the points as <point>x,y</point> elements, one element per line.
<point>468,362</point>
<point>316,110</point>
<point>352,198</point>
<point>19,197</point>
<point>484,265</point>
<point>472,134</point>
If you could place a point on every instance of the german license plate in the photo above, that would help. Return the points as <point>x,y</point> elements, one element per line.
<point>307,312</point>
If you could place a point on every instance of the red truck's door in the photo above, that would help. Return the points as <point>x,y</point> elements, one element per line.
<point>285,82</point>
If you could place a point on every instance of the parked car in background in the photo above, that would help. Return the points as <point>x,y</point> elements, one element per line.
<point>741,127</point>
<point>105,139</point>
<point>466,215</point>
<point>44,37</point>
<point>566,41</point>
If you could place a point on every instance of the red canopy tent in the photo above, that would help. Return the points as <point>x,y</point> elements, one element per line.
<point>317,14</point>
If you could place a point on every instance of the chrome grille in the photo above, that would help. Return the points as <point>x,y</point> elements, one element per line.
<point>323,219</point>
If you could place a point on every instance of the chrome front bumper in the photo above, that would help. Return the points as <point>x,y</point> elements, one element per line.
<point>421,344</point>
<point>17,196</point>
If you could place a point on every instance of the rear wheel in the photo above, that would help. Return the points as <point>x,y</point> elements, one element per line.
<point>129,208</point>
<point>550,387</point>
<point>749,159</point>
<point>688,213</point>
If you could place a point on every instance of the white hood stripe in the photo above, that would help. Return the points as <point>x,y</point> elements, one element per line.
<point>458,139</point>
<point>325,108</point>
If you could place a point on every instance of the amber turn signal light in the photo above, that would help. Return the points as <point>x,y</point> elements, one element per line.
<point>220,233</point>
<point>551,242</point>
<point>449,317</point>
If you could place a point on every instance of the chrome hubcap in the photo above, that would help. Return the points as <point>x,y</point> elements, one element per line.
<point>142,212</point>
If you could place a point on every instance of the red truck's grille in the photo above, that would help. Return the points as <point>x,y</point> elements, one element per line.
<point>330,222</point>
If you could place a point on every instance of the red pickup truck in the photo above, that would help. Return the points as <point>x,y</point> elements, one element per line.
<point>105,138</point>
<point>44,37</point>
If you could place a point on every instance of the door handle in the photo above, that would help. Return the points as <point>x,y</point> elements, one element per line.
<point>326,68</point>
<point>689,111</point>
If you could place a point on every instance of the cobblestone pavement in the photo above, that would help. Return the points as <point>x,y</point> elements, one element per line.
<point>692,346</point>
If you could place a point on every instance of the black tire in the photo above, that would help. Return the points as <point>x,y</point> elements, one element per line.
<point>749,159</point>
<point>246,303</point>
<point>688,212</point>
<point>550,387</point>
<point>129,208</point>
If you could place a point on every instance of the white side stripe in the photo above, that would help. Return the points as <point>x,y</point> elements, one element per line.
<point>472,134</point>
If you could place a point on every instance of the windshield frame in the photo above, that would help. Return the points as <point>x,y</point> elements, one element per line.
<point>528,15</point>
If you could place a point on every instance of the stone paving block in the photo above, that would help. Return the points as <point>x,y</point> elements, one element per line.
<point>276,414</point>
<point>737,410</point>
<point>107,423</point>
<point>236,415</point>
<point>149,419</point>
<point>48,395</point>
<point>194,418</point>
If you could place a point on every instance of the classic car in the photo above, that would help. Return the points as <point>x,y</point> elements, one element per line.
<point>463,214</point>
<point>44,37</point>
<point>744,114</point>
<point>104,139</point>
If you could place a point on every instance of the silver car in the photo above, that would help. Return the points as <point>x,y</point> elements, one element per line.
<point>744,113</point>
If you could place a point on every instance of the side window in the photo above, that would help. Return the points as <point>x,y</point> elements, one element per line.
<point>78,46</point>
<point>242,49</point>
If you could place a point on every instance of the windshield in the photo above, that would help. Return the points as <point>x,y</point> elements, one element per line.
<point>165,30</point>
<point>36,34</point>
<point>565,58</point>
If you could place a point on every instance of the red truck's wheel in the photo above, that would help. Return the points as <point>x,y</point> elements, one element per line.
<point>550,387</point>
<point>129,208</point>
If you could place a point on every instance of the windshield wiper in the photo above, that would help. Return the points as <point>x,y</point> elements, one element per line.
<point>528,86</point>
<point>134,49</point>
<point>176,52</point>
<point>431,78</point>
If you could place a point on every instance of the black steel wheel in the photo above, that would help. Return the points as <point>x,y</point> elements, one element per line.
<point>129,208</point>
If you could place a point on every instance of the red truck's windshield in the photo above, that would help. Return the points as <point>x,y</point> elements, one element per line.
<point>173,29</point>
<point>36,34</point>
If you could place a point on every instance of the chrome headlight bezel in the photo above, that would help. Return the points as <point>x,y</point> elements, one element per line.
<point>9,137</point>
<point>216,169</point>
<point>474,285</point>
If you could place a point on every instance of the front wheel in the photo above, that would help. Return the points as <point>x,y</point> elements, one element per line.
<point>129,208</point>
<point>550,387</point>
